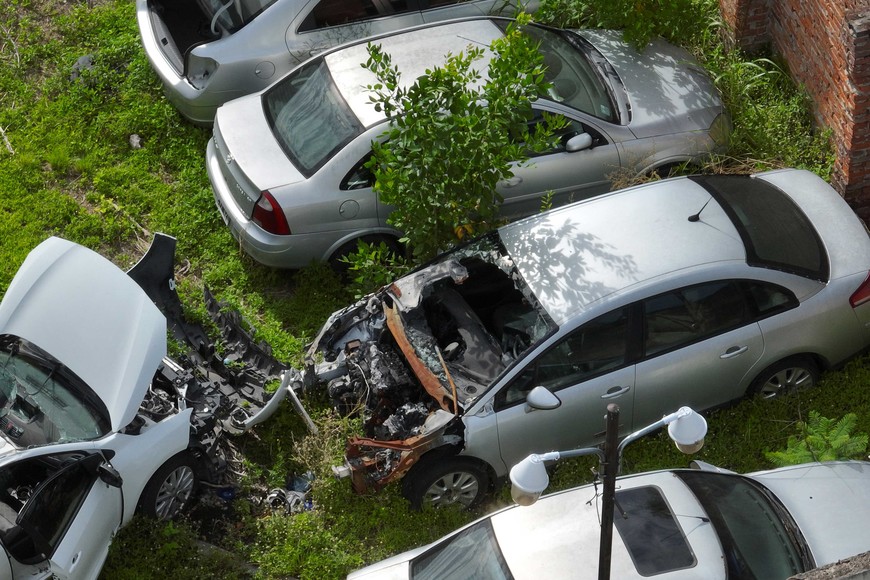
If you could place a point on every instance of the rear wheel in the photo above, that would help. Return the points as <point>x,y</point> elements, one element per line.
<point>787,375</point>
<point>340,267</point>
<point>170,488</point>
<point>451,481</point>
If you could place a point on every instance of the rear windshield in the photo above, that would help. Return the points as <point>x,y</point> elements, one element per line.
<point>309,117</point>
<point>776,233</point>
<point>758,537</point>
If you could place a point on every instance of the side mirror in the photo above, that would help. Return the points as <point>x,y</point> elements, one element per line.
<point>579,142</point>
<point>542,399</point>
<point>109,475</point>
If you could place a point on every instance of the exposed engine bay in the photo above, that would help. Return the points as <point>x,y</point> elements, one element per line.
<point>414,356</point>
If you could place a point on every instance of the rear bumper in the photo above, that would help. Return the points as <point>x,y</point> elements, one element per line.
<point>198,106</point>
<point>294,251</point>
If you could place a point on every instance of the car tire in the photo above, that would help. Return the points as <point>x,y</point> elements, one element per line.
<point>170,489</point>
<point>447,482</point>
<point>348,248</point>
<point>785,376</point>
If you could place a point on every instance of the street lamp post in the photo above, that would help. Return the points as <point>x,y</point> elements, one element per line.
<point>529,477</point>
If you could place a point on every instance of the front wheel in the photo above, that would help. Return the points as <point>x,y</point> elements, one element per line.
<point>787,375</point>
<point>170,488</point>
<point>451,481</point>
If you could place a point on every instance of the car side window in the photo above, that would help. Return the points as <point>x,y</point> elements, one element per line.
<point>691,314</point>
<point>769,298</point>
<point>571,129</point>
<point>360,177</point>
<point>598,346</point>
<point>337,12</point>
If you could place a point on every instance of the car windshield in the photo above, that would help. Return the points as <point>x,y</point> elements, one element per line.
<point>576,70</point>
<point>233,14</point>
<point>472,553</point>
<point>776,233</point>
<point>43,402</point>
<point>309,117</point>
<point>759,538</point>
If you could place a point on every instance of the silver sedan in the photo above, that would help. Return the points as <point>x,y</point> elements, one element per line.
<point>207,52</point>
<point>688,523</point>
<point>690,291</point>
<point>287,164</point>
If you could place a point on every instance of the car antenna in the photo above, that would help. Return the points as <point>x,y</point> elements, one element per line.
<point>697,216</point>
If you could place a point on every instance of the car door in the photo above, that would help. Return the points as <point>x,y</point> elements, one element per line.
<point>70,517</point>
<point>327,23</point>
<point>570,174</point>
<point>699,344</point>
<point>587,370</point>
<point>358,183</point>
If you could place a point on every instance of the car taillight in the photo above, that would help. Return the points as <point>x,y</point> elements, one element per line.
<point>269,216</point>
<point>862,294</point>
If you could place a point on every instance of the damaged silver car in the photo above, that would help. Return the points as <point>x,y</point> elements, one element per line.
<point>691,291</point>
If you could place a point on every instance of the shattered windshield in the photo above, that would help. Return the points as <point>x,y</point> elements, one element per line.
<point>43,402</point>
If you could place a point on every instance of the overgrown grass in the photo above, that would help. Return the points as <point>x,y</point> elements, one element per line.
<point>73,172</point>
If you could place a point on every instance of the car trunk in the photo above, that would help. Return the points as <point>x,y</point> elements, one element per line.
<point>179,26</point>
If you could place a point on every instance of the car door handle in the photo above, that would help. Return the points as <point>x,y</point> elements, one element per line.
<point>75,561</point>
<point>512,181</point>
<point>614,392</point>
<point>733,351</point>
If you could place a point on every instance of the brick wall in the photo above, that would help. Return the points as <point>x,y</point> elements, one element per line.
<point>826,44</point>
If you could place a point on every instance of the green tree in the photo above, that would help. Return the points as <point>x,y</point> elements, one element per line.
<point>822,439</point>
<point>453,135</point>
<point>640,20</point>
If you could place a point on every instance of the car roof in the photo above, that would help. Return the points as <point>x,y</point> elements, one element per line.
<point>582,253</point>
<point>83,310</point>
<point>559,536</point>
<point>412,52</point>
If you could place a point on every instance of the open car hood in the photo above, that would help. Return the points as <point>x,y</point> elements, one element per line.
<point>88,314</point>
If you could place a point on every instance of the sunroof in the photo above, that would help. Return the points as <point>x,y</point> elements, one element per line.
<point>650,532</point>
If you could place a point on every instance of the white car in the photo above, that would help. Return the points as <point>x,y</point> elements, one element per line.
<point>95,421</point>
<point>688,523</point>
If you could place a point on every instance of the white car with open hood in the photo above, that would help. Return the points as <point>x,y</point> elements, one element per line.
<point>96,422</point>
